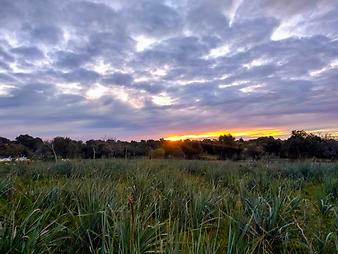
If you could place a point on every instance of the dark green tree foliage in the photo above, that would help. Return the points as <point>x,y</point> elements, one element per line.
<point>270,145</point>
<point>43,152</point>
<point>172,149</point>
<point>15,150</point>
<point>299,145</point>
<point>29,142</point>
<point>304,145</point>
<point>226,147</point>
<point>253,151</point>
<point>3,146</point>
<point>227,140</point>
<point>62,146</point>
<point>191,150</point>
<point>295,146</point>
<point>330,149</point>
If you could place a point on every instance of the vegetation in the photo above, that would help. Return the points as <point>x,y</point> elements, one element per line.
<point>169,206</point>
<point>299,145</point>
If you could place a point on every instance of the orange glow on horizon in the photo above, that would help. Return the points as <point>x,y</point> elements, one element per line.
<point>235,133</point>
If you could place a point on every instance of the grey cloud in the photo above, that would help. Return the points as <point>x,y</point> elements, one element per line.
<point>152,87</point>
<point>28,52</point>
<point>90,16</point>
<point>291,7</point>
<point>71,60</point>
<point>177,51</point>
<point>46,34</point>
<point>251,32</point>
<point>8,13</point>
<point>5,56</point>
<point>118,78</point>
<point>46,44</point>
<point>324,24</point>
<point>207,17</point>
<point>31,94</point>
<point>81,76</point>
<point>116,45</point>
<point>152,18</point>
<point>4,66</point>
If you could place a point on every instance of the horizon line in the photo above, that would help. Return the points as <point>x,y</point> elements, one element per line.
<point>245,134</point>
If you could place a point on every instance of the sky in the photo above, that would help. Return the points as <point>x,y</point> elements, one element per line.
<point>139,69</point>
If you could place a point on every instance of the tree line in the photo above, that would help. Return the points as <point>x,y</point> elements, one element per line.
<point>299,145</point>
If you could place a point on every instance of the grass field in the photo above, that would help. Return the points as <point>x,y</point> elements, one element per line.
<point>169,206</point>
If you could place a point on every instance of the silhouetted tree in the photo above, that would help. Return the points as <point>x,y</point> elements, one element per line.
<point>270,145</point>
<point>172,149</point>
<point>29,142</point>
<point>4,142</point>
<point>191,150</point>
<point>299,145</point>
<point>295,146</point>
<point>227,140</point>
<point>62,146</point>
<point>15,150</point>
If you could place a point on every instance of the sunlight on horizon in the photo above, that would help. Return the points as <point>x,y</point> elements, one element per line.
<point>235,133</point>
<point>251,134</point>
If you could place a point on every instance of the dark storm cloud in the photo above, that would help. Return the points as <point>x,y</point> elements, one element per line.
<point>144,68</point>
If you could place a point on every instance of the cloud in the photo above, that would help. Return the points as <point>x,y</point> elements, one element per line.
<point>82,76</point>
<point>151,18</point>
<point>28,52</point>
<point>45,34</point>
<point>133,69</point>
<point>118,78</point>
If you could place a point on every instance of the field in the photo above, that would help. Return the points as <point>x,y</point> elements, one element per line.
<point>169,206</point>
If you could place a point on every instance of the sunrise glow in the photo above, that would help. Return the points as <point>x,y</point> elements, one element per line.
<point>236,133</point>
<point>251,134</point>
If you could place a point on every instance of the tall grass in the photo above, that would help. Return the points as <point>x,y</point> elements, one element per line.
<point>169,206</point>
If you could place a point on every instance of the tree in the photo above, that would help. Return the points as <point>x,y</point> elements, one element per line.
<point>172,149</point>
<point>253,151</point>
<point>227,147</point>
<point>28,141</point>
<point>295,146</point>
<point>44,151</point>
<point>315,146</point>
<point>15,150</point>
<point>191,150</point>
<point>3,146</point>
<point>330,150</point>
<point>271,146</point>
<point>59,145</point>
<point>74,149</point>
<point>299,145</point>
<point>228,140</point>
<point>157,153</point>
